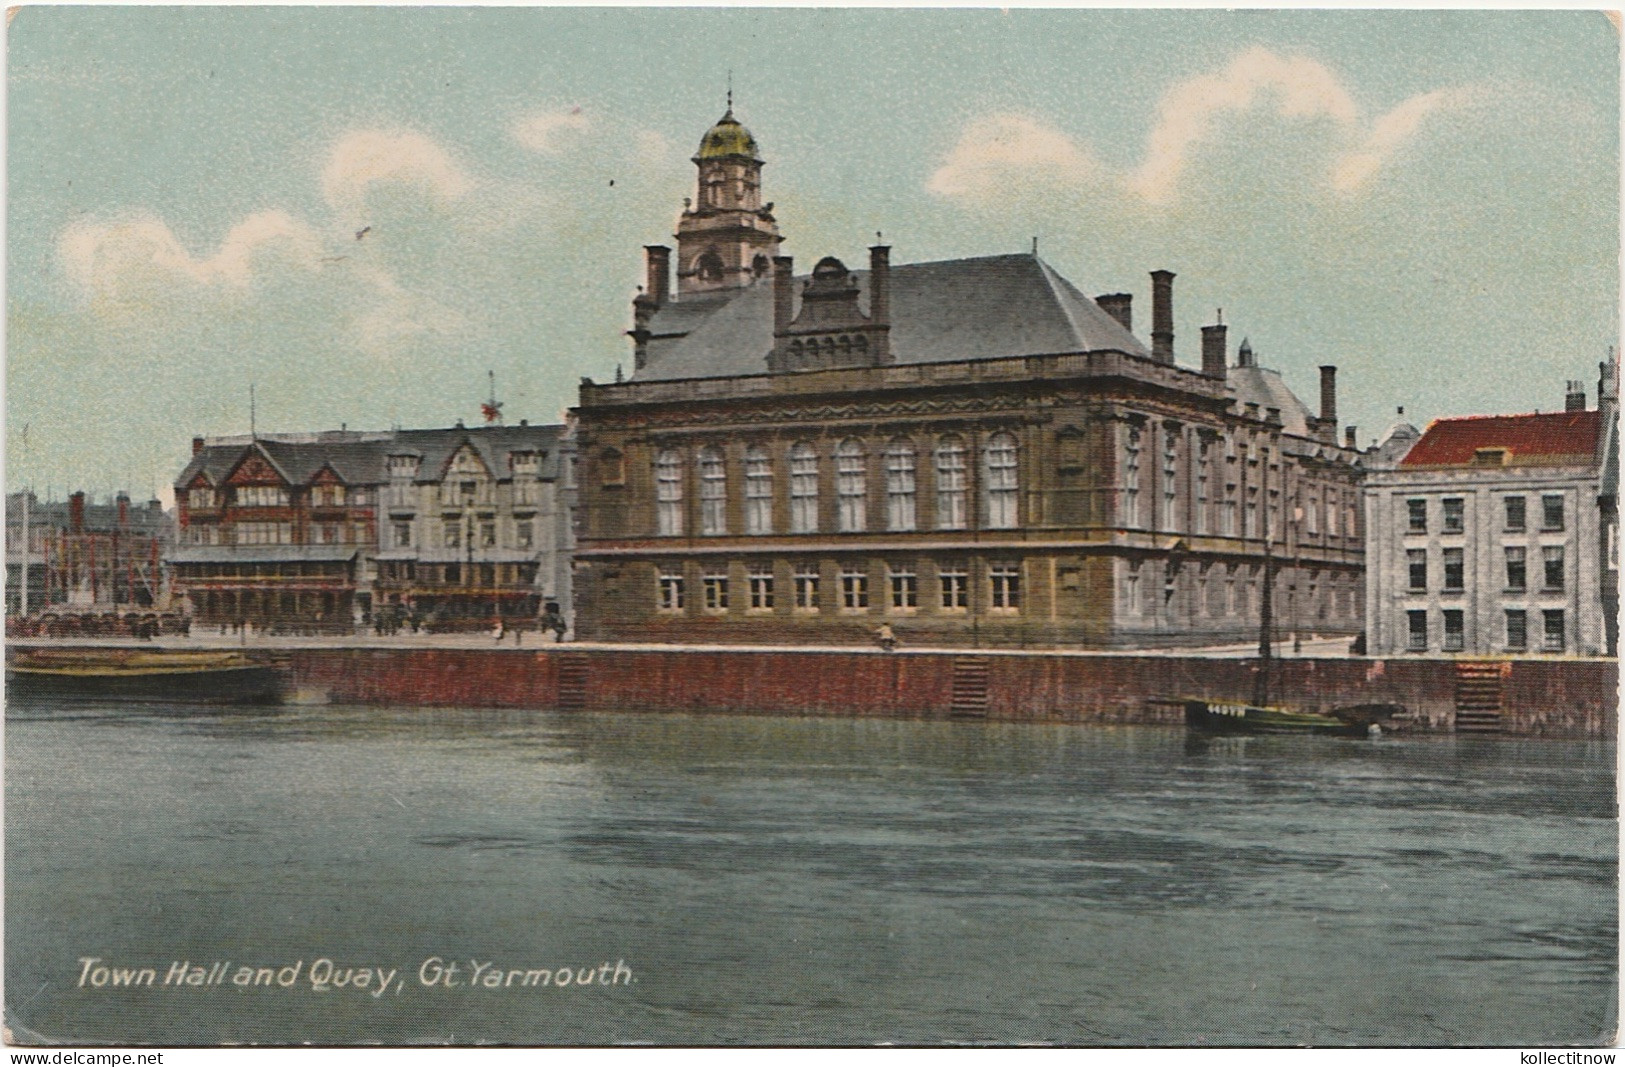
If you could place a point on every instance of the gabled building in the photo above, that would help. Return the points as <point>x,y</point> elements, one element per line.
<point>1497,535</point>
<point>969,451</point>
<point>318,532</point>
<point>79,556</point>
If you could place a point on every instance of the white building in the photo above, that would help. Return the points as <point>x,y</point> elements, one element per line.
<point>1492,536</point>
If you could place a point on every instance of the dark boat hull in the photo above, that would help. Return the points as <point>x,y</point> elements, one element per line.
<point>1218,718</point>
<point>253,684</point>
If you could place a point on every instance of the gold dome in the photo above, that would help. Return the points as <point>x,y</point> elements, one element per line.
<point>727,138</point>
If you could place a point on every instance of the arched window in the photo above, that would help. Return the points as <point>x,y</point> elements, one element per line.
<point>851,486</point>
<point>669,493</point>
<point>803,488</point>
<point>758,491</point>
<point>951,483</point>
<point>760,266</point>
<point>999,477</point>
<point>713,492</point>
<point>709,267</point>
<point>900,484</point>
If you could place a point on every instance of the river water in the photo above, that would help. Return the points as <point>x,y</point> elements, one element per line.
<point>793,881</point>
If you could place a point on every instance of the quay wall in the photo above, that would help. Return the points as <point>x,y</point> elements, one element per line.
<point>1540,697</point>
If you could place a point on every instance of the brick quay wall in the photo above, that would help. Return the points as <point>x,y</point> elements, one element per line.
<point>1540,697</point>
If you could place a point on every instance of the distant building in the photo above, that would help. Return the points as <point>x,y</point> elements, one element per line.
<point>317,532</point>
<point>972,452</point>
<point>1498,535</point>
<point>82,556</point>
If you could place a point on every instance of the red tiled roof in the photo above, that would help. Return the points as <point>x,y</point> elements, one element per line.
<point>1558,437</point>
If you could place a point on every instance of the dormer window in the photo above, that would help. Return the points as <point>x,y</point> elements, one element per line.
<point>262,496</point>
<point>524,463</point>
<point>327,496</point>
<point>403,466</point>
<point>202,496</point>
<point>1489,457</point>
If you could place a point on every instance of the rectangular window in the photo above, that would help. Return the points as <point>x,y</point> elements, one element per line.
<point>900,487</point>
<point>1002,482</point>
<point>200,498</point>
<point>1517,628</point>
<point>452,535</point>
<point>453,573</point>
<point>669,494</point>
<point>1517,571</point>
<point>1249,519</point>
<point>951,485</point>
<point>671,590</point>
<point>758,492</point>
<point>403,535</point>
<point>955,588</point>
<point>761,587</point>
<point>1332,511</point>
<point>1455,633</point>
<point>1131,479</point>
<point>1551,512</point>
<point>1417,512</point>
<point>1204,463</point>
<point>1454,570</point>
<point>1515,513</point>
<point>803,489</point>
<point>713,493</point>
<point>1417,621</point>
<point>807,587</point>
<point>854,590</point>
<point>851,489</point>
<point>715,588</point>
<point>1131,589</point>
<point>1552,557</point>
<point>1454,520</point>
<point>1311,517</point>
<point>1417,560</point>
<point>488,535</point>
<point>1170,480</point>
<point>524,533</point>
<point>1004,580</point>
<point>904,589</point>
<point>1554,636</point>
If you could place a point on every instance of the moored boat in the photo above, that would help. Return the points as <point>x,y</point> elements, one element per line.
<point>1359,720</point>
<point>126,674</point>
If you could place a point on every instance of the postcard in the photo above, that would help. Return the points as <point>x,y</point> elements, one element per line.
<point>825,527</point>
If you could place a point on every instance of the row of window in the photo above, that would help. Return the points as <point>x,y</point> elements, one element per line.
<point>276,496</point>
<point>1517,569</point>
<point>1231,590</point>
<point>1453,513</point>
<point>1238,506</point>
<point>999,487</point>
<point>455,533</point>
<point>900,589</point>
<point>1453,630</point>
<point>485,574</point>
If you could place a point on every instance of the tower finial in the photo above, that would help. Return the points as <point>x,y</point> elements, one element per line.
<point>730,91</point>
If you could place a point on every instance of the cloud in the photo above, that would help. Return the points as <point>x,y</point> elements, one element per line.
<point>1299,88</point>
<point>539,132</point>
<point>113,260</point>
<point>995,149</point>
<point>1392,131</point>
<point>362,159</point>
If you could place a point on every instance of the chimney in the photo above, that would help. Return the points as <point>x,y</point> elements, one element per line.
<point>657,259</point>
<point>1120,307</point>
<point>76,512</point>
<point>1162,315</point>
<point>1575,398</point>
<point>1349,437</point>
<point>1272,415</point>
<point>880,300</point>
<point>1214,356</point>
<point>123,501</point>
<point>197,445</point>
<point>783,295</point>
<point>1328,397</point>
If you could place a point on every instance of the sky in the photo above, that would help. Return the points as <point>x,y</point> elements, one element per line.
<point>1428,200</point>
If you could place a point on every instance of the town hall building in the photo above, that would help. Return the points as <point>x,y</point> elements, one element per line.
<point>972,452</point>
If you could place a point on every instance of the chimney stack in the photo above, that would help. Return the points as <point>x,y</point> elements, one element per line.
<point>1214,354</point>
<point>1328,397</point>
<point>783,294</point>
<point>197,445</point>
<point>1162,315</point>
<point>1575,398</point>
<point>1120,307</point>
<point>658,261</point>
<point>880,299</point>
<point>1350,438</point>
<point>76,512</point>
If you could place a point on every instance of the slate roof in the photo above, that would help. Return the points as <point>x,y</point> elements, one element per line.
<point>942,312</point>
<point>1266,388</point>
<point>360,459</point>
<point>1564,437</point>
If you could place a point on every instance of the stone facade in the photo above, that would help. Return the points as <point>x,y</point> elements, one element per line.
<point>1495,536</point>
<point>969,452</point>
